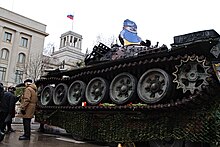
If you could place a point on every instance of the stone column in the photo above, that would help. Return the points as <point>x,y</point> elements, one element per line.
<point>13,58</point>
<point>79,40</point>
<point>61,39</point>
<point>1,36</point>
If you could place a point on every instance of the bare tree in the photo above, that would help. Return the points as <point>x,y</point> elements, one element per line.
<point>107,41</point>
<point>35,66</point>
<point>49,49</point>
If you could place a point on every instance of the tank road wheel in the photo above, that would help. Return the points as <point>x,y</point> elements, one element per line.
<point>60,94</point>
<point>76,92</point>
<point>191,74</point>
<point>154,85</point>
<point>46,96</point>
<point>122,88</point>
<point>96,90</point>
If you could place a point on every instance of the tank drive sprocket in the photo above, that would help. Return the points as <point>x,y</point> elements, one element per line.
<point>191,74</point>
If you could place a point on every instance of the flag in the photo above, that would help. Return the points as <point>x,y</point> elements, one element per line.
<point>70,16</point>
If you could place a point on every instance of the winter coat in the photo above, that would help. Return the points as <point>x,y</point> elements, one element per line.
<point>29,100</point>
<point>7,103</point>
<point>15,99</point>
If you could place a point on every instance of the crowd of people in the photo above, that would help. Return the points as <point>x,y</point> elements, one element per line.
<point>8,99</point>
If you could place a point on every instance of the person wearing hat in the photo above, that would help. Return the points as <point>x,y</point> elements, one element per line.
<point>28,104</point>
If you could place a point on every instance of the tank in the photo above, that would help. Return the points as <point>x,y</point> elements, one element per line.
<point>140,95</point>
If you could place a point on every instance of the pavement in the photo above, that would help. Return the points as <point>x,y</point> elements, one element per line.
<point>39,139</point>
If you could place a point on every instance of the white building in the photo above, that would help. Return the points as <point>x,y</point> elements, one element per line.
<point>20,38</point>
<point>70,51</point>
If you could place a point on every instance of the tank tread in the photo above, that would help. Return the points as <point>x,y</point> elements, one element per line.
<point>190,100</point>
<point>112,68</point>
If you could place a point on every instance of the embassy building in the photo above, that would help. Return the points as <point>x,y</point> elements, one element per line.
<point>20,38</point>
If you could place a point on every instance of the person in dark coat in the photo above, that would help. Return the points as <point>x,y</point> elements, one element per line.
<point>9,122</point>
<point>6,107</point>
<point>2,116</point>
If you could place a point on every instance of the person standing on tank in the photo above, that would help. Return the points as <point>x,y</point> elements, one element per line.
<point>28,105</point>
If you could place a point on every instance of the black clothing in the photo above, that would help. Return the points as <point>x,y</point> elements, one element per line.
<point>24,138</point>
<point>1,91</point>
<point>28,80</point>
<point>7,102</point>
<point>1,136</point>
<point>6,108</point>
<point>14,99</point>
<point>27,127</point>
<point>3,116</point>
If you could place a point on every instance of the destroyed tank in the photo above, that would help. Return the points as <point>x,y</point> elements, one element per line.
<point>157,96</point>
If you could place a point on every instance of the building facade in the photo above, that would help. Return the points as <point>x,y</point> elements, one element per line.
<point>70,51</point>
<point>20,39</point>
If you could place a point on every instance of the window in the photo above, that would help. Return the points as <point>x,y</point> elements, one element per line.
<point>7,37</point>
<point>64,41</point>
<point>24,42</point>
<point>4,54</point>
<point>2,73</point>
<point>71,39</point>
<point>75,41</point>
<point>21,58</point>
<point>18,76</point>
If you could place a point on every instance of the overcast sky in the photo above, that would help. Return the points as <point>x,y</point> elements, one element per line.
<point>157,20</point>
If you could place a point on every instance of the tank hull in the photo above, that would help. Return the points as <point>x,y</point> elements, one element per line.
<point>140,95</point>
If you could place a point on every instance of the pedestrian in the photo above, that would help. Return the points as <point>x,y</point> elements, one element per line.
<point>9,121</point>
<point>28,104</point>
<point>1,112</point>
<point>6,107</point>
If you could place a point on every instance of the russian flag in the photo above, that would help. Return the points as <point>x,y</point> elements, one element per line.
<point>70,16</point>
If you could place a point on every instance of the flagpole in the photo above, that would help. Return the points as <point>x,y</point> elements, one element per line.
<point>72,20</point>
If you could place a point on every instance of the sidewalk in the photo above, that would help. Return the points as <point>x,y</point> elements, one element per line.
<point>18,124</point>
<point>40,139</point>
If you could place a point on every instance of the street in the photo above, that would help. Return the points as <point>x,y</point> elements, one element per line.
<point>41,140</point>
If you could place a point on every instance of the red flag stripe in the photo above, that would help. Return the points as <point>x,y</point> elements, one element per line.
<point>70,16</point>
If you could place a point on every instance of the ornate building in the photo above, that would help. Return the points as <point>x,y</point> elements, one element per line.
<point>70,51</point>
